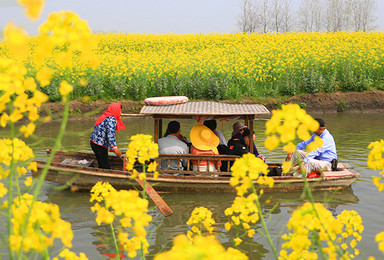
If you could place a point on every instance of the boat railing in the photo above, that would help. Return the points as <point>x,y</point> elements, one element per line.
<point>226,160</point>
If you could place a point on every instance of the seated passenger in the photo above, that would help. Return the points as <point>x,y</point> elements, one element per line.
<point>171,144</point>
<point>255,151</point>
<point>238,127</point>
<point>323,158</point>
<point>212,124</point>
<point>204,142</point>
<point>238,145</point>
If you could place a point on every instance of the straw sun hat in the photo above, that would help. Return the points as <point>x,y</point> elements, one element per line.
<point>203,138</point>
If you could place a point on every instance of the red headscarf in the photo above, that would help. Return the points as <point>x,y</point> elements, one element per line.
<point>114,110</point>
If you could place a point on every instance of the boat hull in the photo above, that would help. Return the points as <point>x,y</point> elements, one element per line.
<point>84,178</point>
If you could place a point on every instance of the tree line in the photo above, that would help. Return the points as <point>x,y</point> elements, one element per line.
<point>306,15</point>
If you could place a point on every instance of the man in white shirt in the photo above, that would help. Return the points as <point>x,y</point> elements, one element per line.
<point>171,144</point>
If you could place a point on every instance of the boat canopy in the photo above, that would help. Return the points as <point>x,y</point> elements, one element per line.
<point>206,109</point>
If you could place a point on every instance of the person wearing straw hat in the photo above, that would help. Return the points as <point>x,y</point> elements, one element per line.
<point>204,142</point>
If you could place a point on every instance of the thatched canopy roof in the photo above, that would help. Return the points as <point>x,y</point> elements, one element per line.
<point>205,109</point>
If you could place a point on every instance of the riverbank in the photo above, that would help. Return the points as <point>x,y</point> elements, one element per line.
<point>350,102</point>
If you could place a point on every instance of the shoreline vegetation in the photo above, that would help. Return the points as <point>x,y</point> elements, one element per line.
<point>350,102</point>
<point>219,67</point>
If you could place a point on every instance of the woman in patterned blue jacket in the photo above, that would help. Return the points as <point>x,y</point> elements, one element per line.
<point>103,136</point>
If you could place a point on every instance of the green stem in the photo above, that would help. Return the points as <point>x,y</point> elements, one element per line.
<point>144,192</point>
<point>115,241</point>
<point>44,172</point>
<point>311,199</point>
<point>10,186</point>
<point>142,251</point>
<point>264,224</point>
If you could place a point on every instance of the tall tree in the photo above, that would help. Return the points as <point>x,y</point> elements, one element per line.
<point>264,16</point>
<point>362,13</point>
<point>310,15</point>
<point>336,18</point>
<point>247,20</point>
<point>276,15</point>
<point>287,16</point>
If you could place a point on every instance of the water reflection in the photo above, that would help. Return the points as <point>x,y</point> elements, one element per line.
<point>75,207</point>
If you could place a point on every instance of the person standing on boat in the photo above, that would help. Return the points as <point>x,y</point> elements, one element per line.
<point>102,138</point>
<point>323,158</point>
<point>171,144</point>
<point>204,142</point>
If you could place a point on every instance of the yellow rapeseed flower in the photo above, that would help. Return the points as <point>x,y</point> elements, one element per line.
<point>199,248</point>
<point>327,229</point>
<point>65,88</point>
<point>380,239</point>
<point>44,76</point>
<point>33,8</point>
<point>376,161</point>
<point>28,129</point>
<point>46,217</point>
<point>201,217</point>
<point>3,190</point>
<point>28,181</point>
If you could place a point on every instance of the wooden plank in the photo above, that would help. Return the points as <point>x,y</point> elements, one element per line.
<point>160,203</point>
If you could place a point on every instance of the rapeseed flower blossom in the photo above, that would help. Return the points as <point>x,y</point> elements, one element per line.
<point>43,227</point>
<point>380,239</point>
<point>65,89</point>
<point>201,217</point>
<point>68,255</point>
<point>376,161</point>
<point>310,230</point>
<point>247,170</point>
<point>139,65</point>
<point>244,214</point>
<point>3,190</point>
<point>33,8</point>
<point>15,150</point>
<point>204,248</point>
<point>143,149</point>
<point>289,123</point>
<point>129,208</point>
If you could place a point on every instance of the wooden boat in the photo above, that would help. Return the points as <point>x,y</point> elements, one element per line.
<point>80,171</point>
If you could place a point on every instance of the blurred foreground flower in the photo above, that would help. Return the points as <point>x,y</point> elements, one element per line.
<point>310,230</point>
<point>143,149</point>
<point>286,125</point>
<point>33,8</point>
<point>248,169</point>
<point>200,217</point>
<point>131,211</point>
<point>43,227</point>
<point>376,161</point>
<point>201,248</point>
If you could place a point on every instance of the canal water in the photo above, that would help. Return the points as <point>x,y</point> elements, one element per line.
<point>352,133</point>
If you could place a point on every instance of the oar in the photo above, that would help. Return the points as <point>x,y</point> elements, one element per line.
<point>160,203</point>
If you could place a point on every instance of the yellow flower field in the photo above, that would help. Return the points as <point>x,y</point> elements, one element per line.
<point>214,66</point>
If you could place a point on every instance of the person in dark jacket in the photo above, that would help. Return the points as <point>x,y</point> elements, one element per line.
<point>238,144</point>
